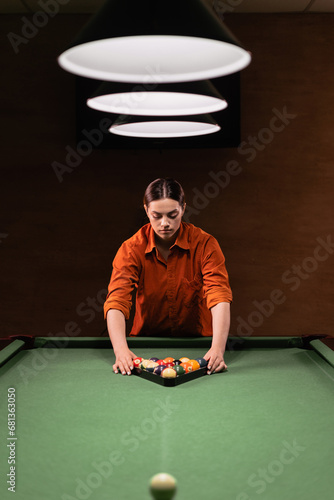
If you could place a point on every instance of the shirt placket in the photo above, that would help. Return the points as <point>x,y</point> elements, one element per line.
<point>172,289</point>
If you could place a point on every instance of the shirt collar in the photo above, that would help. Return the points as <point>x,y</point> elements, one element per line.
<point>181,240</point>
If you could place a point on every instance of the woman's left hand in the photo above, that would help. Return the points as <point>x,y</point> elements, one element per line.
<point>215,359</point>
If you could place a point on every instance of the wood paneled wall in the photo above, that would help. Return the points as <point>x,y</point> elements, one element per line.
<point>269,203</point>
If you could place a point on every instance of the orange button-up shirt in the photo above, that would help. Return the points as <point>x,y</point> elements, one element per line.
<point>173,297</point>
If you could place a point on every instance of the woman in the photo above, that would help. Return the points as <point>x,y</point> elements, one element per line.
<point>181,282</point>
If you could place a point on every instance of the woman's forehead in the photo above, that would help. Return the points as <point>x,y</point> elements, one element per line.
<point>165,205</point>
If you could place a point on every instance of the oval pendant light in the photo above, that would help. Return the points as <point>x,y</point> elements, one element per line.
<point>149,127</point>
<point>154,41</point>
<point>192,98</point>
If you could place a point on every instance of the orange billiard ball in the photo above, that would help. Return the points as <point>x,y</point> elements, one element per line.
<point>195,364</point>
<point>187,366</point>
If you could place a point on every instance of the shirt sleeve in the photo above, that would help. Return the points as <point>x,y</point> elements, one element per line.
<point>215,278</point>
<point>124,279</point>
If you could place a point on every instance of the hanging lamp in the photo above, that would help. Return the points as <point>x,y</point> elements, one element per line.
<point>164,127</point>
<point>191,98</point>
<point>154,41</point>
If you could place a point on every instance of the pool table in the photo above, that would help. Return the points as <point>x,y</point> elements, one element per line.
<point>263,429</point>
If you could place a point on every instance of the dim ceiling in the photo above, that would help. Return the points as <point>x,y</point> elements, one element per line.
<point>220,6</point>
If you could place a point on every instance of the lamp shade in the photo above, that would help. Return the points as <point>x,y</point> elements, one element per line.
<point>150,127</point>
<point>191,98</point>
<point>154,41</point>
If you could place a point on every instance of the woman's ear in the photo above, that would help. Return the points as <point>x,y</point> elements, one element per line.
<point>145,207</point>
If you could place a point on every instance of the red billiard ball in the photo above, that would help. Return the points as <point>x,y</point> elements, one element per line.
<point>169,361</point>
<point>137,362</point>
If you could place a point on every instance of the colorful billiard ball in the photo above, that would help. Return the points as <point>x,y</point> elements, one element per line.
<point>154,359</point>
<point>158,369</point>
<point>163,486</point>
<point>177,362</point>
<point>168,373</point>
<point>187,366</point>
<point>161,362</point>
<point>144,364</point>
<point>169,360</point>
<point>151,365</point>
<point>179,370</point>
<point>202,362</point>
<point>137,362</point>
<point>195,364</point>
<point>184,359</point>
<point>169,364</point>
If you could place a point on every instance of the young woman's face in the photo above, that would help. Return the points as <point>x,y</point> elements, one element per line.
<point>165,217</point>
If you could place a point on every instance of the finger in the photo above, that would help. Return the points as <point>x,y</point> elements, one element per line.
<point>211,365</point>
<point>221,366</point>
<point>128,366</point>
<point>122,368</point>
<point>115,368</point>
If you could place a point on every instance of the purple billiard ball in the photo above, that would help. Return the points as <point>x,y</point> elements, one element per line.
<point>159,369</point>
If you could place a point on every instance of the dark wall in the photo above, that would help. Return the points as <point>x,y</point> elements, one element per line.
<point>272,213</point>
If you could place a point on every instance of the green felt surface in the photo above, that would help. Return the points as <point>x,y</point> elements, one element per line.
<point>226,436</point>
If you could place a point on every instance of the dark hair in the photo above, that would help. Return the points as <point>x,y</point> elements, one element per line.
<point>164,188</point>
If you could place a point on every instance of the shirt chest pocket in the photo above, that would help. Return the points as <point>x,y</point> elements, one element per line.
<point>192,291</point>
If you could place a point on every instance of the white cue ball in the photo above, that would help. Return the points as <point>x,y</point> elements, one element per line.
<point>163,486</point>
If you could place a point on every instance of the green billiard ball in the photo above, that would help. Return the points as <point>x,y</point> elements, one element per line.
<point>179,370</point>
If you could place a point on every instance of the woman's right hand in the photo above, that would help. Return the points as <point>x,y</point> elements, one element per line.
<point>124,361</point>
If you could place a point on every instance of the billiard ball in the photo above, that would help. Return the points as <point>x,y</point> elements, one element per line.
<point>179,369</point>
<point>169,364</point>
<point>154,359</point>
<point>144,364</point>
<point>137,362</point>
<point>177,362</point>
<point>202,362</point>
<point>168,373</point>
<point>187,366</point>
<point>194,363</point>
<point>169,361</point>
<point>184,359</point>
<point>158,369</point>
<point>151,365</point>
<point>161,362</point>
<point>163,486</point>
